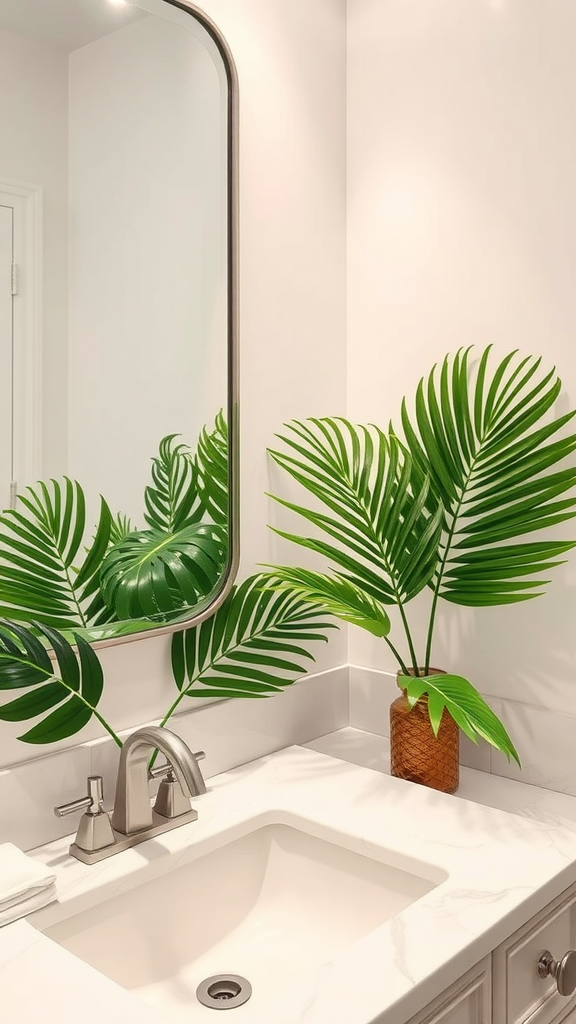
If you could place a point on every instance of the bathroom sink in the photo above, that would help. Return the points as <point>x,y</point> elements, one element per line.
<point>269,906</point>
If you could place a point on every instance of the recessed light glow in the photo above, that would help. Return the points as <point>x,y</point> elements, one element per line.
<point>117,3</point>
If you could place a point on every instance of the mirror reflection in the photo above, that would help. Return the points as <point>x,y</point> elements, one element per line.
<point>115,322</point>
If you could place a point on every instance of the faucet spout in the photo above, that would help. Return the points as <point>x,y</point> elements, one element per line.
<point>132,811</point>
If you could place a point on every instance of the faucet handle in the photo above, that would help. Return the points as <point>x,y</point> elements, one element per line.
<point>170,800</point>
<point>164,769</point>
<point>93,802</point>
<point>94,829</point>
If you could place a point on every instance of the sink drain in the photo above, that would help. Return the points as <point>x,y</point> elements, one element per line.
<point>224,991</point>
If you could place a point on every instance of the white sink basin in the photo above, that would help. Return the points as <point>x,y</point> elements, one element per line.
<point>269,906</point>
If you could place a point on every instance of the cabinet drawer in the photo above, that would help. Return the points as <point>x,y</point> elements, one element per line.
<point>520,995</point>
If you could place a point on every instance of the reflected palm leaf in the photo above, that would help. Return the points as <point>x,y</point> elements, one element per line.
<point>172,500</point>
<point>46,572</point>
<point>212,460</point>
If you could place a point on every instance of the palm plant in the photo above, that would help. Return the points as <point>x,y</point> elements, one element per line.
<point>446,506</point>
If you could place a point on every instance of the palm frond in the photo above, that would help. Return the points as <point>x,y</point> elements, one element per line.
<point>489,441</point>
<point>212,466</point>
<point>120,527</point>
<point>466,706</point>
<point>335,595</point>
<point>66,694</point>
<point>46,572</point>
<point>251,646</point>
<point>378,504</point>
<point>172,501</point>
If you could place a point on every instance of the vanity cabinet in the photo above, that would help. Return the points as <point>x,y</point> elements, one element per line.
<point>520,995</point>
<point>467,1001</point>
<point>505,988</point>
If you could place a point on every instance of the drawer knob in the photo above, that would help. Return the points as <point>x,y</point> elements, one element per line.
<point>564,970</point>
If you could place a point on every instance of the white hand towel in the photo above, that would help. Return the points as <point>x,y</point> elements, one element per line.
<point>21,878</point>
<point>25,907</point>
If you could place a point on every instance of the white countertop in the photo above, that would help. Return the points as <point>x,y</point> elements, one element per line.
<point>502,869</point>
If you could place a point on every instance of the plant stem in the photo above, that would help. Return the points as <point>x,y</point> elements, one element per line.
<point>411,647</point>
<point>397,655</point>
<point>168,715</point>
<point>107,727</point>
<point>449,540</point>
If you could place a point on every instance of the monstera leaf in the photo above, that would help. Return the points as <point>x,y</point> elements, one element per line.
<point>66,692</point>
<point>47,571</point>
<point>152,573</point>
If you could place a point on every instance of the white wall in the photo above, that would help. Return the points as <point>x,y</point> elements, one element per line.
<point>291,65</point>
<point>34,151</point>
<point>462,230</point>
<point>147,253</point>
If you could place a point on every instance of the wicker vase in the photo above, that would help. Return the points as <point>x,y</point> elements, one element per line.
<point>415,753</point>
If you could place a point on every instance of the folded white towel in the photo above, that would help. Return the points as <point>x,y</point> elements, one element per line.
<point>25,907</point>
<point>21,878</point>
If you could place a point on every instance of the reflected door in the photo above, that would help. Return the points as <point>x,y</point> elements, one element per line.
<point>6,349</point>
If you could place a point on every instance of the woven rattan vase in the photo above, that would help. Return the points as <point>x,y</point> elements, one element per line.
<point>416,754</point>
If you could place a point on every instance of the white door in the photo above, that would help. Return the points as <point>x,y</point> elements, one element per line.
<point>6,353</point>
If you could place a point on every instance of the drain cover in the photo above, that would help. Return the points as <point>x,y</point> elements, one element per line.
<point>224,991</point>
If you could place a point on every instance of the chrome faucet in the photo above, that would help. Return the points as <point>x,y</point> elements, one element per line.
<point>132,810</point>
<point>133,818</point>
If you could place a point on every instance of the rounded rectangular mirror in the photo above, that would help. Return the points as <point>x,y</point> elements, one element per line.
<point>118,322</point>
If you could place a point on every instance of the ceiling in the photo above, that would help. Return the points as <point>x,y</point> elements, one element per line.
<point>68,24</point>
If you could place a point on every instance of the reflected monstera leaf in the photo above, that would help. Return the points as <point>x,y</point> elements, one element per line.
<point>153,572</point>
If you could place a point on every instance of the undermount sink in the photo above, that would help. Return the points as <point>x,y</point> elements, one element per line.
<point>269,906</point>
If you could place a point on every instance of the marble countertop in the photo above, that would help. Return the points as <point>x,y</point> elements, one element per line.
<point>507,850</point>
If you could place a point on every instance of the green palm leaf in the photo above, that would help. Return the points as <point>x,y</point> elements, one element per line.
<point>46,572</point>
<point>172,500</point>
<point>381,515</point>
<point>468,709</point>
<point>120,527</point>
<point>251,646</point>
<point>490,444</point>
<point>212,465</point>
<point>152,573</point>
<point>336,595</point>
<point>66,694</point>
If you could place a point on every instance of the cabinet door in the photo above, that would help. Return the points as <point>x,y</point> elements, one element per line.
<point>467,1001</point>
<point>566,1017</point>
<point>519,993</point>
